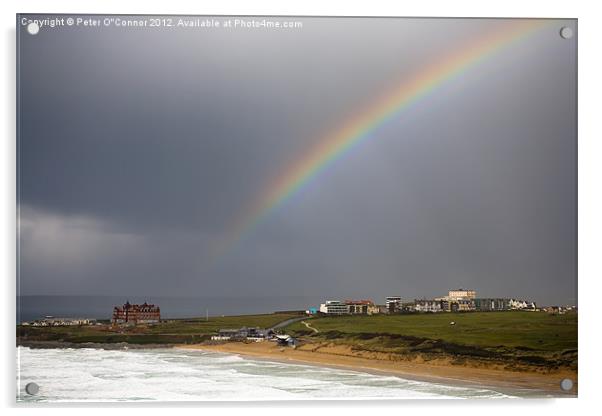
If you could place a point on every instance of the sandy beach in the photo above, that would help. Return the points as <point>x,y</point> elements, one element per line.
<point>442,371</point>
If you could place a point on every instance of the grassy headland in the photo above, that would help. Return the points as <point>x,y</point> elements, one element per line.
<point>175,331</point>
<point>522,341</point>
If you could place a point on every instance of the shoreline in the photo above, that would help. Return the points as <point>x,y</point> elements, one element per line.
<point>503,381</point>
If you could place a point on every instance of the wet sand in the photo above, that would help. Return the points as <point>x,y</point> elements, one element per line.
<point>436,371</point>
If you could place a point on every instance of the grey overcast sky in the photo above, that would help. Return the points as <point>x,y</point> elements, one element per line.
<point>139,147</point>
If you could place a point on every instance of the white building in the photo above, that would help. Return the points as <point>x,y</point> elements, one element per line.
<point>517,304</point>
<point>424,305</point>
<point>334,307</point>
<point>393,304</point>
<point>52,321</point>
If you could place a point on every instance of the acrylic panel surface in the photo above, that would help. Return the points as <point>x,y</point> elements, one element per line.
<point>226,208</point>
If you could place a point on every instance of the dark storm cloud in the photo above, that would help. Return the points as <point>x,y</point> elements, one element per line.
<point>139,147</point>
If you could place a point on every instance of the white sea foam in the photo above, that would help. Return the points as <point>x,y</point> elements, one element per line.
<point>179,375</point>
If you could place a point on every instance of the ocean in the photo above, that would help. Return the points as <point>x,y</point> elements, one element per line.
<point>101,307</point>
<point>140,375</point>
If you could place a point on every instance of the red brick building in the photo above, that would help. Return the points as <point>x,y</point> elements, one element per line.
<point>136,314</point>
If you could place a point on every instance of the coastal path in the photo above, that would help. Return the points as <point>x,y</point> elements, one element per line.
<point>308,326</point>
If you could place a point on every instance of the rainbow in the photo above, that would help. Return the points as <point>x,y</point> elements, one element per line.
<point>335,145</point>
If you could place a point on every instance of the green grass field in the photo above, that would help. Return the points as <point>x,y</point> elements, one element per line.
<point>527,330</point>
<point>177,331</point>
<point>521,341</point>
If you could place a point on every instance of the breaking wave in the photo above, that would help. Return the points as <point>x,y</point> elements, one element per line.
<point>182,375</point>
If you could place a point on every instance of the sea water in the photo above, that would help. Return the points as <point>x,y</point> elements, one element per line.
<point>169,374</point>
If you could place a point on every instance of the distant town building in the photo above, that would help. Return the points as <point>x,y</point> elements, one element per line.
<point>334,307</point>
<point>516,304</point>
<point>457,300</point>
<point>361,307</point>
<point>393,304</point>
<point>559,310</point>
<point>492,304</point>
<point>52,321</point>
<point>243,334</point>
<point>349,307</point>
<point>455,304</point>
<point>136,314</point>
<point>462,294</point>
<point>554,310</point>
<point>373,309</point>
<point>408,307</point>
<point>463,305</point>
<point>382,309</point>
<point>424,305</point>
<point>311,310</point>
<point>286,340</point>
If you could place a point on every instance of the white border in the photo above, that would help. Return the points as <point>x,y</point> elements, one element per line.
<point>590,175</point>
